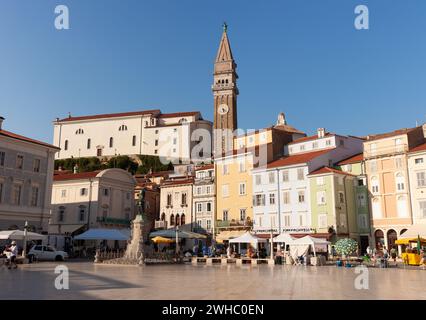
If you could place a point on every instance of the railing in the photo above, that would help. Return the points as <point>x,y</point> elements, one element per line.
<point>234,223</point>
<point>101,256</point>
<point>160,224</point>
<point>383,151</point>
<point>118,221</point>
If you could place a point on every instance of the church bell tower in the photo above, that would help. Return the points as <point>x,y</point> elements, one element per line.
<point>225,93</point>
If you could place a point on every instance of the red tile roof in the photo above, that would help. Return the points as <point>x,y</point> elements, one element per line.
<point>421,147</point>
<point>354,159</point>
<point>170,183</point>
<point>22,138</point>
<point>206,167</point>
<point>297,158</point>
<point>324,170</point>
<point>390,134</point>
<point>111,115</point>
<point>75,176</point>
<point>179,114</point>
<point>314,137</point>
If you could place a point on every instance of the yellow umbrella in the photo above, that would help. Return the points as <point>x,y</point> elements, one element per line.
<point>406,241</point>
<point>161,240</point>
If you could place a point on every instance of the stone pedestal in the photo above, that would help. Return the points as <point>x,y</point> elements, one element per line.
<point>135,249</point>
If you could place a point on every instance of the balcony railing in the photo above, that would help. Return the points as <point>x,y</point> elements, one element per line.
<point>160,224</point>
<point>384,151</point>
<point>107,220</point>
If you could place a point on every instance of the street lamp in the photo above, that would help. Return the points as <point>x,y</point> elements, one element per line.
<point>24,251</point>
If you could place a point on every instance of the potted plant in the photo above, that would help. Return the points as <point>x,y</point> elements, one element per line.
<point>346,247</point>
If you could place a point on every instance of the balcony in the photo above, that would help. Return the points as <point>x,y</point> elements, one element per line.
<point>234,223</point>
<point>115,221</point>
<point>160,224</point>
<point>385,151</point>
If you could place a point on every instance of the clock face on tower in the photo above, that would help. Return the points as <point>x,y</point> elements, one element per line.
<point>223,109</point>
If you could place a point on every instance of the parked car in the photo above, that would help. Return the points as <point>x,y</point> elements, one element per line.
<point>41,252</point>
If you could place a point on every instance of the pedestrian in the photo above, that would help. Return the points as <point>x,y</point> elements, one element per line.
<point>13,253</point>
<point>228,251</point>
<point>393,253</point>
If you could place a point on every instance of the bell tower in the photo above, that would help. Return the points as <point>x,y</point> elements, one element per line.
<point>225,93</point>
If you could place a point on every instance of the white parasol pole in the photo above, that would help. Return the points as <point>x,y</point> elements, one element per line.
<point>272,243</point>
<point>24,251</point>
<point>177,239</point>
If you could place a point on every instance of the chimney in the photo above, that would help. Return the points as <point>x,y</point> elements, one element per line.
<point>424,130</point>
<point>1,123</point>
<point>321,132</point>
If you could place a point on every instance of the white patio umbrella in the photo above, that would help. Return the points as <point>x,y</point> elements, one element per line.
<point>20,235</point>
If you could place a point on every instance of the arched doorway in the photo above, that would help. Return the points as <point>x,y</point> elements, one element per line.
<point>392,236</point>
<point>379,238</point>
<point>402,231</point>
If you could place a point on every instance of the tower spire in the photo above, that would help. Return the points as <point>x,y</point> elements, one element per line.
<point>224,53</point>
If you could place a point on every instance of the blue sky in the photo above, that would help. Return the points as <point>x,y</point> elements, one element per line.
<point>302,57</point>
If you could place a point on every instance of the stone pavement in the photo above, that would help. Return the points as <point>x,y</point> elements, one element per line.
<point>90,281</point>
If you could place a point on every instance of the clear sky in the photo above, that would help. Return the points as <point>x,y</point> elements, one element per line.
<point>302,57</point>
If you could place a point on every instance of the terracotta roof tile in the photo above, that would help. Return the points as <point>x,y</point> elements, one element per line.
<point>314,137</point>
<point>390,134</point>
<point>354,159</point>
<point>179,114</point>
<point>324,170</point>
<point>170,183</point>
<point>297,158</point>
<point>421,147</point>
<point>206,167</point>
<point>111,115</point>
<point>22,138</point>
<point>75,176</point>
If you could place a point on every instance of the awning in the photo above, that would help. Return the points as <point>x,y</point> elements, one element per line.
<point>171,233</point>
<point>226,235</point>
<point>284,237</point>
<point>407,241</point>
<point>414,231</point>
<point>64,228</point>
<point>19,235</point>
<point>247,238</point>
<point>104,234</point>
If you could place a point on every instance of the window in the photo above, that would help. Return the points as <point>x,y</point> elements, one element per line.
<point>208,189</point>
<point>16,194</point>
<point>199,190</point>
<point>418,161</point>
<point>402,207</point>
<point>300,174</point>
<point>83,191</point>
<point>34,196</point>
<point>421,179</point>
<point>320,181</point>
<point>199,207</point>
<point>302,147</point>
<point>106,192</point>
<point>259,200</point>
<point>36,165</point>
<point>61,214</point>
<point>258,179</point>
<point>82,213</point>
<point>398,144</point>
<point>1,191</point>
<point>321,198</point>
<point>377,209</point>
<point>156,142</point>
<point>225,169</point>
<point>177,219</point>
<point>172,219</point>
<point>361,200</point>
<point>105,208</point>
<point>209,207</point>
<point>301,196</point>
<point>301,220</point>
<point>199,223</point>
<point>271,177</point>
<point>63,193</point>
<point>169,199</point>
<point>174,141</point>
<point>225,215</point>
<point>134,141</point>
<point>122,128</point>
<point>242,189</point>
<point>328,142</point>
<point>373,148</point>
<point>66,145</point>
<point>375,185</point>
<point>111,142</point>
<point>19,162</point>
<point>241,166</point>
<point>400,182</point>
<point>155,151</point>
<point>398,162</point>
<point>373,166</point>
<point>349,168</point>
<point>286,197</point>
<point>285,176</point>
<point>287,220</point>
<point>89,142</point>
<point>242,214</point>
<point>341,198</point>
<point>322,221</point>
<point>183,198</point>
<point>314,145</point>
<point>225,190</point>
<point>2,158</point>
<point>182,219</point>
<point>272,198</point>
<point>422,205</point>
<point>79,131</point>
<point>208,224</point>
<point>362,221</point>
<point>156,131</point>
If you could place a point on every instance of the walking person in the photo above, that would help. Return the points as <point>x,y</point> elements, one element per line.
<point>12,255</point>
<point>393,254</point>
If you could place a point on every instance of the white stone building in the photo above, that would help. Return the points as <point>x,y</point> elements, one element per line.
<point>204,199</point>
<point>168,135</point>
<point>281,191</point>
<point>26,173</point>
<point>417,172</point>
<point>99,199</point>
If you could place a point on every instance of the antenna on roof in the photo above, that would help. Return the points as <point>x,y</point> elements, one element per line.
<point>69,114</point>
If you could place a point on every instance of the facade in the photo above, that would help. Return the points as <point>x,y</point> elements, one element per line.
<point>386,163</point>
<point>176,203</point>
<point>99,199</point>
<point>417,171</point>
<point>204,199</point>
<point>281,190</point>
<point>170,135</point>
<point>26,171</point>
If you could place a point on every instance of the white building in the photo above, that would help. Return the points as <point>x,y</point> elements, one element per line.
<point>417,172</point>
<point>26,171</point>
<point>281,191</point>
<point>204,199</point>
<point>100,199</point>
<point>150,132</point>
